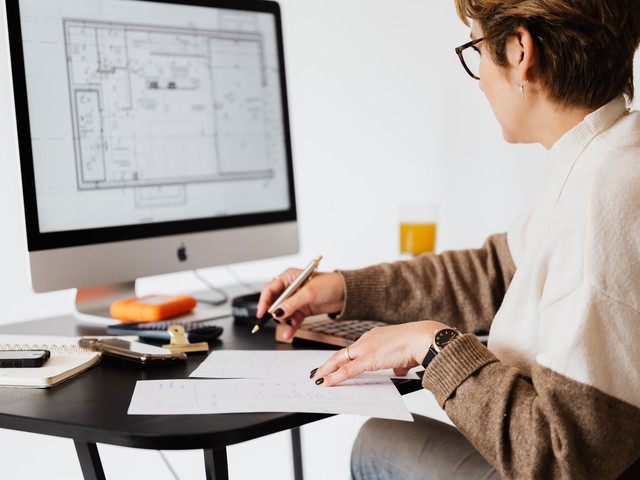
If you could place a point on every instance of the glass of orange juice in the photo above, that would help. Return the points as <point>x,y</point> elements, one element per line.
<point>418,222</point>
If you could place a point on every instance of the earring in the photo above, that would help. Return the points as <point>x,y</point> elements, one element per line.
<point>521,87</point>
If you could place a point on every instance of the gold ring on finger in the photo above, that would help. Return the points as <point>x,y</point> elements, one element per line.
<point>346,354</point>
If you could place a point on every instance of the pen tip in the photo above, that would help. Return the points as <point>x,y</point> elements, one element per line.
<point>255,329</point>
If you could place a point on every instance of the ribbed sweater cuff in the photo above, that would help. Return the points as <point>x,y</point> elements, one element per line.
<point>453,365</point>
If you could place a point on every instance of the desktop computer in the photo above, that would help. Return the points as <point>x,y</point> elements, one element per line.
<point>153,138</point>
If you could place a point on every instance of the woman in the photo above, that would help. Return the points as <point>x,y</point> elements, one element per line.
<point>556,394</point>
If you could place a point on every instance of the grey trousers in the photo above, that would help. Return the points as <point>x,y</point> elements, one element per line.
<point>424,449</point>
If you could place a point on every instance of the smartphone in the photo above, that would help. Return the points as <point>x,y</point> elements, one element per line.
<point>134,351</point>
<point>23,358</point>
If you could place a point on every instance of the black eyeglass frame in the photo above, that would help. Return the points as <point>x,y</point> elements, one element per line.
<point>461,48</point>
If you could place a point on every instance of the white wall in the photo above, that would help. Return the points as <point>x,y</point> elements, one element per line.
<point>382,113</point>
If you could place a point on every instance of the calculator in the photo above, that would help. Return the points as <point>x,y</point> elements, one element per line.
<point>195,330</point>
<point>341,333</point>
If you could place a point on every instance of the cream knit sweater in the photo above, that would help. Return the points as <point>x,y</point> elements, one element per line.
<point>557,393</point>
<point>574,303</point>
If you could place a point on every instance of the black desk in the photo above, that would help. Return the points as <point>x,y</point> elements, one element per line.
<point>92,407</point>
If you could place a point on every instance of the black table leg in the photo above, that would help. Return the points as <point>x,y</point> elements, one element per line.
<point>217,468</point>
<point>89,460</point>
<point>296,447</point>
<point>215,464</point>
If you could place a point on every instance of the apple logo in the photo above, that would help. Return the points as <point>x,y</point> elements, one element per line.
<point>182,253</point>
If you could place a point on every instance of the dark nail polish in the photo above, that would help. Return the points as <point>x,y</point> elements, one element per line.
<point>313,373</point>
<point>289,322</point>
<point>319,381</point>
<point>278,313</point>
<point>276,320</point>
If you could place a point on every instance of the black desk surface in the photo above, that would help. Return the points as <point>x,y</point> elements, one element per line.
<point>92,407</point>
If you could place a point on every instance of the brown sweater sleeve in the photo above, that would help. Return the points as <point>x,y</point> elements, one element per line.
<point>460,288</point>
<point>546,426</point>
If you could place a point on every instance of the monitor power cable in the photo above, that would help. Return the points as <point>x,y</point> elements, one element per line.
<point>250,287</point>
<point>224,298</point>
<point>166,461</point>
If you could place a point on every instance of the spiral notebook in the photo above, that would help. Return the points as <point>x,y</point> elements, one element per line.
<point>67,359</point>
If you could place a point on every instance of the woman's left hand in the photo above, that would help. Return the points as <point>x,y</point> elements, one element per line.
<point>400,347</point>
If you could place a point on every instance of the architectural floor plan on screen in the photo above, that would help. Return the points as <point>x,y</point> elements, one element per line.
<point>158,108</point>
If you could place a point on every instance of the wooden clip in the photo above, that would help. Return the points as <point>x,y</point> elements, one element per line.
<point>180,343</point>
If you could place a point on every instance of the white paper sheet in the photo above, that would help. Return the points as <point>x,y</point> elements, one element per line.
<point>294,364</point>
<point>373,397</point>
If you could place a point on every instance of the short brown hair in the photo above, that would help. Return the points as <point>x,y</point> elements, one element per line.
<point>586,46</point>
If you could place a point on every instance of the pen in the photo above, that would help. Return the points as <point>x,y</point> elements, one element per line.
<point>298,282</point>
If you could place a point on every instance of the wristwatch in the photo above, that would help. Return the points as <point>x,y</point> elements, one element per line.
<point>441,339</point>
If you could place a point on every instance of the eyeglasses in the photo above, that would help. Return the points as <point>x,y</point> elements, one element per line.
<point>469,56</point>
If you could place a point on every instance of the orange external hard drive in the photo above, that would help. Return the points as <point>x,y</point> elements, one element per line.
<point>151,307</point>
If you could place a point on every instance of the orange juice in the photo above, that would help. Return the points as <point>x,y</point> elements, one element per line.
<point>417,238</point>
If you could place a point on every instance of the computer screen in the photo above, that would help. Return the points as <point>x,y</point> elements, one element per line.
<point>153,137</point>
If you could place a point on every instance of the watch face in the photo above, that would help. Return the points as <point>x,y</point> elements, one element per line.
<point>443,337</point>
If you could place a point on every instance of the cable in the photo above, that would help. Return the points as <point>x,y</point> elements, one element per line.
<point>224,297</point>
<point>166,461</point>
<point>240,281</point>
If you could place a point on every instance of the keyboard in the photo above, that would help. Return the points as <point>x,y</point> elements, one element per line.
<point>195,330</point>
<point>340,333</point>
<point>343,333</point>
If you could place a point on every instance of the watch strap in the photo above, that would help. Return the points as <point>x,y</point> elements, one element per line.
<point>431,354</point>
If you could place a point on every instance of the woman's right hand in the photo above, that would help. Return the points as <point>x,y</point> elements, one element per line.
<point>323,293</point>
